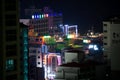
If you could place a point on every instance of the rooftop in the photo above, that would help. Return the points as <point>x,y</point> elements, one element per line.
<point>84,64</point>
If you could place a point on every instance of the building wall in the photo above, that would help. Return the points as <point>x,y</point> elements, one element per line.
<point>115,46</point>
<point>24,51</point>
<point>40,26</point>
<point>45,22</point>
<point>70,73</point>
<point>112,49</point>
<point>96,72</point>
<point>73,56</point>
<point>10,40</point>
<point>107,38</point>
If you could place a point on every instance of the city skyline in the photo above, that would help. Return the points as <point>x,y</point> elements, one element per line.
<point>85,14</point>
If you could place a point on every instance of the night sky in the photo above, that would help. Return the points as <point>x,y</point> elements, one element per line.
<point>84,13</point>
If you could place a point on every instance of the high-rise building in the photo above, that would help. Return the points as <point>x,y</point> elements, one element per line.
<point>35,59</point>
<point>10,40</point>
<point>111,40</point>
<point>45,22</point>
<point>111,31</point>
<point>24,51</point>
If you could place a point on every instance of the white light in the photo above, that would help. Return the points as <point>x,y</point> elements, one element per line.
<point>60,38</point>
<point>48,70</point>
<point>90,46</point>
<point>32,16</point>
<point>95,47</point>
<point>51,75</point>
<point>84,41</point>
<point>60,25</point>
<point>37,16</point>
<point>66,25</point>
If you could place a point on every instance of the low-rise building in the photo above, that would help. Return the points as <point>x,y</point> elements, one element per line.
<point>78,71</point>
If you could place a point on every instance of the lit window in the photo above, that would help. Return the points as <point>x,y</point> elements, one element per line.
<point>10,64</point>
<point>42,16</point>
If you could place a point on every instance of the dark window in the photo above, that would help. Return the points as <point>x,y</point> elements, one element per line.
<point>38,52</point>
<point>9,32</point>
<point>10,16</point>
<point>37,39</point>
<point>10,5</point>
<point>105,30</point>
<point>10,1</point>
<point>10,22</point>
<point>114,35</point>
<point>11,50</point>
<point>11,77</point>
<point>11,35</point>
<point>105,43</point>
<point>105,37</point>
<point>38,56</point>
<point>104,24</point>
<point>38,62</point>
<point>32,51</point>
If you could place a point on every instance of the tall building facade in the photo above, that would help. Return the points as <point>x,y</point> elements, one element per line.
<point>45,22</point>
<point>10,40</point>
<point>24,51</point>
<point>111,31</point>
<point>35,59</point>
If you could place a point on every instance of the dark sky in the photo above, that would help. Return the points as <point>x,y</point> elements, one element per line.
<point>84,13</point>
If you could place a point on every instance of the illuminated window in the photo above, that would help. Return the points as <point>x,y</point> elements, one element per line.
<point>39,16</point>
<point>25,51</point>
<point>46,15</point>
<point>42,16</point>
<point>10,65</point>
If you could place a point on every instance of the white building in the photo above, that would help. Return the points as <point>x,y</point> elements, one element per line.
<point>111,31</point>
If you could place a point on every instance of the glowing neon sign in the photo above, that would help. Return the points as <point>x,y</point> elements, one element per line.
<point>40,16</point>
